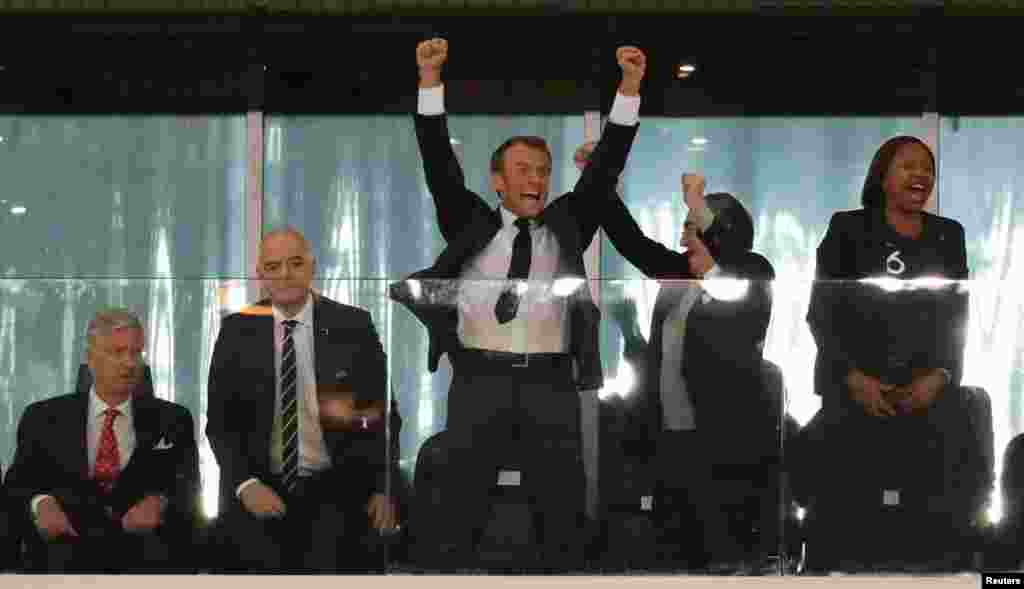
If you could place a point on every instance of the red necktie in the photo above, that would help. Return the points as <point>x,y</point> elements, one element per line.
<point>108,458</point>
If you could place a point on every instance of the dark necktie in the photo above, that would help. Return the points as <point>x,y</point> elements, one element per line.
<point>508,303</point>
<point>289,409</point>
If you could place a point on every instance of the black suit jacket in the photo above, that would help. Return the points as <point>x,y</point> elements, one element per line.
<point>852,322</point>
<point>468,224</point>
<point>51,460</point>
<point>242,390</point>
<point>722,355</point>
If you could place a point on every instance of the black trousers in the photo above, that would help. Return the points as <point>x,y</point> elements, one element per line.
<point>499,412</point>
<point>930,464</point>
<point>707,509</point>
<point>326,529</point>
<point>103,547</point>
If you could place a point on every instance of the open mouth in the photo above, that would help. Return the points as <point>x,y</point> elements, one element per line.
<point>919,190</point>
<point>534,196</point>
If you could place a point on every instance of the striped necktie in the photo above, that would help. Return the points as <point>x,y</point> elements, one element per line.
<point>289,409</point>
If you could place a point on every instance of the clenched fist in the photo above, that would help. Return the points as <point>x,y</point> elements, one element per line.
<point>430,56</point>
<point>633,63</point>
<point>582,155</point>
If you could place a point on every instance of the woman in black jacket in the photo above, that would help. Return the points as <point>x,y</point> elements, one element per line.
<point>888,312</point>
<point>709,413</point>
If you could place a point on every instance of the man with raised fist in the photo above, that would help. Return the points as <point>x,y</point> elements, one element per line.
<point>508,301</point>
<point>704,369</point>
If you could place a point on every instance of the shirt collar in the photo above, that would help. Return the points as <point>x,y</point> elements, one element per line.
<point>304,316</point>
<point>509,218</point>
<point>97,405</point>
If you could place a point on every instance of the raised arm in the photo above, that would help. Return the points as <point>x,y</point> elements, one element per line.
<point>649,256</point>
<point>608,159</point>
<point>454,203</point>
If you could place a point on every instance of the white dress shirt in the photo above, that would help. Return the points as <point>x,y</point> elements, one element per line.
<point>677,411</point>
<point>541,322</point>
<point>124,431</point>
<point>313,454</point>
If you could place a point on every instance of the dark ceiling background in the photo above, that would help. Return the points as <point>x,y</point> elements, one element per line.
<point>537,56</point>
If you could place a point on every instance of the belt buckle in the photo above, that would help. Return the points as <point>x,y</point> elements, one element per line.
<point>526,361</point>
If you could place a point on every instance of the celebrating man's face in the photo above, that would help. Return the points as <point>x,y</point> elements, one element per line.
<point>523,180</point>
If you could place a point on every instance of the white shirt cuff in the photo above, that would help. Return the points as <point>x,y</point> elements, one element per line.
<point>431,101</point>
<point>625,110</point>
<point>35,504</point>
<point>246,483</point>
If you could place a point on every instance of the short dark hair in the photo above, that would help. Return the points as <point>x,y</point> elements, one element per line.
<point>734,219</point>
<point>873,193</point>
<point>498,158</point>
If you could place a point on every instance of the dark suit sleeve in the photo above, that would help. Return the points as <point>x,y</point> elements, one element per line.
<point>600,178</point>
<point>455,204</point>
<point>227,442</point>
<point>747,318</point>
<point>183,492</point>
<point>372,362</point>
<point>374,452</point>
<point>951,320</point>
<point>649,256</point>
<point>32,472</point>
<point>26,478</point>
<point>827,313</point>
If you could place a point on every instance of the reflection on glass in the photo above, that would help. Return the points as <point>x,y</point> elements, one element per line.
<point>980,186</point>
<point>134,211</point>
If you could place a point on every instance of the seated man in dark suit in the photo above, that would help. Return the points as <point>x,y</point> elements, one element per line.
<point>124,500</point>
<point>297,396</point>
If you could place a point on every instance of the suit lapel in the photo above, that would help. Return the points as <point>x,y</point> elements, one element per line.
<point>260,377</point>
<point>321,328</point>
<point>477,236</point>
<point>77,452</point>
<point>146,422</point>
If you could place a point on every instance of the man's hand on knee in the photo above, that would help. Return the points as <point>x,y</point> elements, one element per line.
<point>51,521</point>
<point>144,516</point>
<point>261,501</point>
<point>383,513</point>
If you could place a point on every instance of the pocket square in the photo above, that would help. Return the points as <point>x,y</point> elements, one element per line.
<point>163,444</point>
<point>341,375</point>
